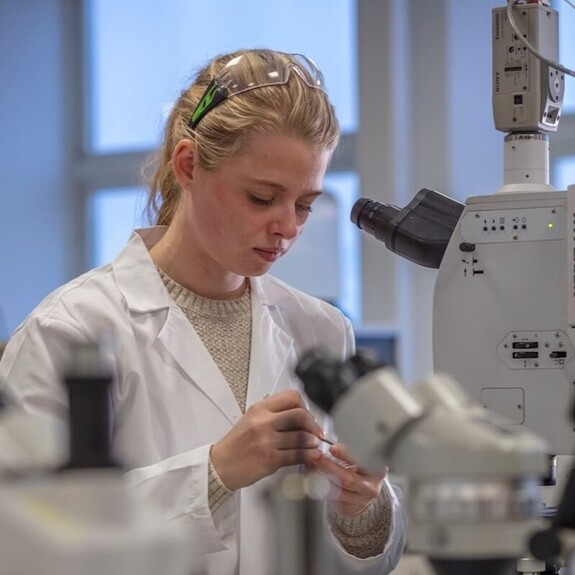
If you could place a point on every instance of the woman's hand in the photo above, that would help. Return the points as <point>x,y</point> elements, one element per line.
<point>275,432</point>
<point>355,489</point>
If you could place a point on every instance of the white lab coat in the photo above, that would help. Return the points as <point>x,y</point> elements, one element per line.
<point>171,402</point>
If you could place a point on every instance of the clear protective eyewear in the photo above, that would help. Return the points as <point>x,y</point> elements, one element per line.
<point>234,79</point>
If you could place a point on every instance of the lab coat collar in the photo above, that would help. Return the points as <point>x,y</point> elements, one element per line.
<point>134,261</point>
<point>267,293</point>
<point>271,345</point>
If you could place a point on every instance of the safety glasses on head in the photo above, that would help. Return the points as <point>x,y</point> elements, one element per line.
<point>255,70</point>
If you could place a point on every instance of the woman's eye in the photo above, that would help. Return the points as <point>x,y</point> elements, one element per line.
<point>260,201</point>
<point>304,208</point>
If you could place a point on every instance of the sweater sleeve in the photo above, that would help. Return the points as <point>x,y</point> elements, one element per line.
<point>218,493</point>
<point>365,534</point>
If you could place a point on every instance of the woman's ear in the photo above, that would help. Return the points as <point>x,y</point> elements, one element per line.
<point>184,162</point>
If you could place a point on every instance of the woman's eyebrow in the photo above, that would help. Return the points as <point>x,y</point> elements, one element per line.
<point>280,187</point>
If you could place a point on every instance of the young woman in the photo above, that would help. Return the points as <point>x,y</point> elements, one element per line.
<point>206,408</point>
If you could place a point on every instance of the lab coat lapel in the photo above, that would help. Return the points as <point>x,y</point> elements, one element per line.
<point>149,295</point>
<point>184,344</point>
<point>271,349</point>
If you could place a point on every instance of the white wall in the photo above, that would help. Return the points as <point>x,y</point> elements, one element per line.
<point>34,242</point>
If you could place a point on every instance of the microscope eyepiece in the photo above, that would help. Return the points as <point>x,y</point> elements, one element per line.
<point>420,232</point>
<point>374,218</point>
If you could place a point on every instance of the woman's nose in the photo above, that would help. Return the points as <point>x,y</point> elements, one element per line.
<point>286,224</point>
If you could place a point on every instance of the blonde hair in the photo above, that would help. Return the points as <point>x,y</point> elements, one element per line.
<point>292,109</point>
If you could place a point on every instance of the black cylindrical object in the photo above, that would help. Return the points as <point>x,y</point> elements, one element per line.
<point>88,380</point>
<point>374,218</point>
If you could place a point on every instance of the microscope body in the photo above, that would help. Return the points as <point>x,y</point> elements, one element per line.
<point>500,311</point>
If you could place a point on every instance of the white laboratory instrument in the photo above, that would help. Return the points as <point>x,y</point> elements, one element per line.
<point>504,299</point>
<point>501,300</point>
<point>86,522</point>
<point>472,482</point>
<point>69,511</point>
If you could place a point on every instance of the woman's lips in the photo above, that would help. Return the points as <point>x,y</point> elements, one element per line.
<point>268,255</point>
